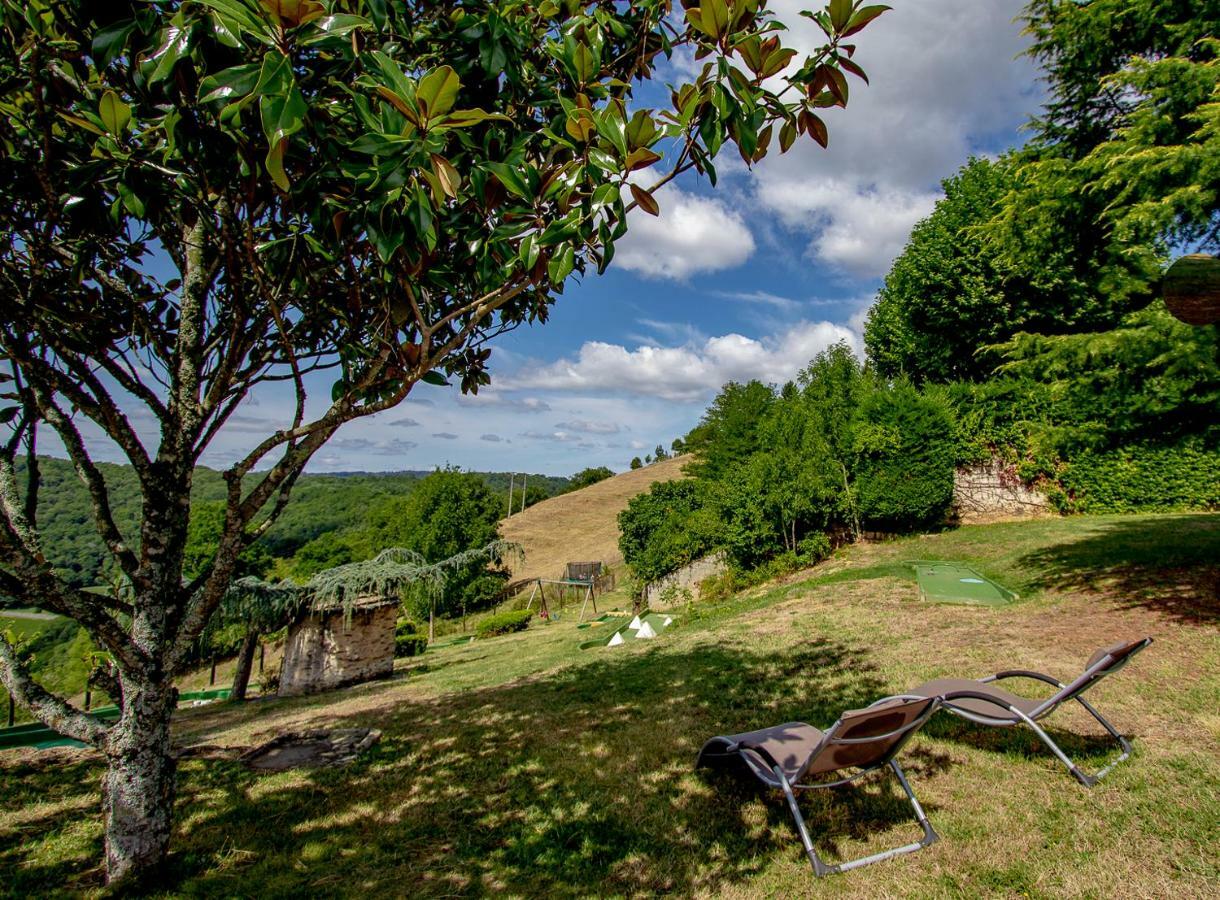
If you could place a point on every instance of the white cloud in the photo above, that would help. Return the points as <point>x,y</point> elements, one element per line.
<point>445,435</point>
<point>589,427</point>
<point>492,438</point>
<point>693,234</point>
<point>946,81</point>
<point>688,373</point>
<point>392,447</point>
<point>405,422</point>
<point>487,398</point>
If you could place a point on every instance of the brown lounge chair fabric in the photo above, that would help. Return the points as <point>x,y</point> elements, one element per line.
<point>984,702</point>
<point>862,739</point>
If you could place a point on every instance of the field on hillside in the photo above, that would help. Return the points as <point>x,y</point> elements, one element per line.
<point>522,765</point>
<point>581,526</point>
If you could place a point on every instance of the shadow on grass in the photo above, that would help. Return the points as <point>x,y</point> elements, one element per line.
<point>1019,740</point>
<point>577,783</point>
<point>1169,564</point>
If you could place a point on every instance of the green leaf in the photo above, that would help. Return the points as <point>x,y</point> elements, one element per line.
<point>173,45</point>
<point>561,265</point>
<point>275,164</point>
<point>115,114</point>
<point>448,176</point>
<point>275,76</point>
<point>840,13</point>
<point>863,16</point>
<point>464,118</point>
<point>528,252</point>
<point>437,91</point>
<point>234,82</point>
<point>434,377</point>
<point>134,204</point>
<point>336,26</point>
<point>612,125</point>
<point>715,17</point>
<point>787,137</point>
<point>282,116</point>
<point>512,180</point>
<point>110,41</point>
<point>604,196</point>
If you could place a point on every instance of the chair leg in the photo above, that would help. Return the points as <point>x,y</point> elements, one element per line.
<point>821,868</point>
<point>1079,774</point>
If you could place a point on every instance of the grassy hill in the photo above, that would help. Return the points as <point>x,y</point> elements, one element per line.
<point>523,766</point>
<point>581,526</point>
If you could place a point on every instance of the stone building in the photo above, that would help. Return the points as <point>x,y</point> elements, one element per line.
<point>329,648</point>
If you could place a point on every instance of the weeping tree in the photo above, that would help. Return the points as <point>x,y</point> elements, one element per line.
<point>202,197</point>
<point>262,607</point>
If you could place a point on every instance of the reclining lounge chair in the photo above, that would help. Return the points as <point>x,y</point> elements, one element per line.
<point>864,739</point>
<point>982,702</point>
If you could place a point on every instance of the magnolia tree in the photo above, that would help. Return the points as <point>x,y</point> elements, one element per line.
<point>199,198</point>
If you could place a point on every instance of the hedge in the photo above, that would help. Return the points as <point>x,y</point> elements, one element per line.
<point>504,623</point>
<point>1144,478</point>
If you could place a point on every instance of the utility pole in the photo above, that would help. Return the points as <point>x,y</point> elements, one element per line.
<point>512,482</point>
<point>524,481</point>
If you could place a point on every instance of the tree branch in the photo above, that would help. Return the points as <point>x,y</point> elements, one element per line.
<point>54,712</point>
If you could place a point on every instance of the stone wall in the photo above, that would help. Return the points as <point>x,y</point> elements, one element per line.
<point>991,490</point>
<point>687,577</point>
<point>323,651</point>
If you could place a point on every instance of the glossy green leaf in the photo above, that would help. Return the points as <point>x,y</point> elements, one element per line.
<point>114,113</point>
<point>109,42</point>
<point>229,84</point>
<point>437,91</point>
<point>561,265</point>
<point>435,378</point>
<point>274,163</point>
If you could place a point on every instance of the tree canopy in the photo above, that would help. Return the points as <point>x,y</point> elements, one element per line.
<point>199,199</point>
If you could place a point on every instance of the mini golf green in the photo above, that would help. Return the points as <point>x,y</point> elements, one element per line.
<point>951,582</point>
<point>40,737</point>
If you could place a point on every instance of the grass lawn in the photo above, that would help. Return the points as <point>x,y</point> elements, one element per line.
<point>522,765</point>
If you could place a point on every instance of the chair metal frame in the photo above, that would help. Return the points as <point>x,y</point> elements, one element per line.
<point>1046,707</point>
<point>773,776</point>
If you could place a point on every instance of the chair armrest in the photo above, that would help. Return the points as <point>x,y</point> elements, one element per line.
<point>1025,673</point>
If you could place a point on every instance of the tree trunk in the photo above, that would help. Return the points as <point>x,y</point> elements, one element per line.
<point>245,664</point>
<point>138,787</point>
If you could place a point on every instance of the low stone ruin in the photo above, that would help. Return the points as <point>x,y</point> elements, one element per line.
<point>330,647</point>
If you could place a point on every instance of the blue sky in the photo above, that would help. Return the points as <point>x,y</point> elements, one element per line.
<point>749,280</point>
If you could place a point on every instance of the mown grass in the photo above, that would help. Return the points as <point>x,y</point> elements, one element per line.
<point>524,766</point>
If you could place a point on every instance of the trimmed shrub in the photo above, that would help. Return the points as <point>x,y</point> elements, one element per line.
<point>504,623</point>
<point>407,639</point>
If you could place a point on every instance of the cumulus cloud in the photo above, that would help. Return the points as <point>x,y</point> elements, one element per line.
<point>491,438</point>
<point>693,234</point>
<point>445,435</point>
<point>688,373</point>
<point>589,427</point>
<point>947,80</point>
<point>405,422</point>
